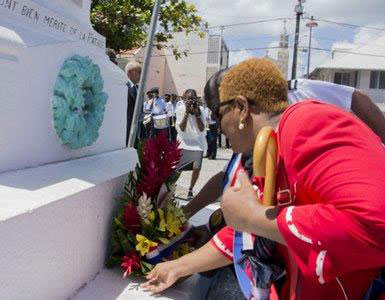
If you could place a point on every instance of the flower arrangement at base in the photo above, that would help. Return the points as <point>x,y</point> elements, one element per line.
<point>150,227</point>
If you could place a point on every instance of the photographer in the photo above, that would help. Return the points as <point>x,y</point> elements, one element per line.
<point>191,127</point>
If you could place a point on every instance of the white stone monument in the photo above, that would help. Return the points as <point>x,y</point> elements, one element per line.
<point>55,202</point>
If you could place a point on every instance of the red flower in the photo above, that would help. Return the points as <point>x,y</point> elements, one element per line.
<point>131,218</point>
<point>130,263</point>
<point>160,160</point>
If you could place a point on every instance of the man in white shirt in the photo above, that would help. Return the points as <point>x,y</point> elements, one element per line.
<point>171,103</point>
<point>155,106</point>
<point>191,127</point>
<point>212,134</point>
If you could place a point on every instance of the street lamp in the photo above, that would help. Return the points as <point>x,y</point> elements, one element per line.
<point>310,24</point>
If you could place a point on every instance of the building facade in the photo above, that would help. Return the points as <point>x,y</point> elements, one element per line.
<point>205,56</point>
<point>360,67</point>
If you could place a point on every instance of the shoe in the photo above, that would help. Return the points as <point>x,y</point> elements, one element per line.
<point>190,195</point>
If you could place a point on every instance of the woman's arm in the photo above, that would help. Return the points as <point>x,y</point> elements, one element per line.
<point>211,191</point>
<point>364,108</point>
<point>166,274</point>
<point>243,211</point>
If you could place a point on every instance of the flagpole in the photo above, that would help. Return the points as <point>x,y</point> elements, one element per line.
<point>143,77</point>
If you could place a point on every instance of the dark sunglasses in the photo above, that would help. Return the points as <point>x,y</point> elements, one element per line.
<point>229,102</point>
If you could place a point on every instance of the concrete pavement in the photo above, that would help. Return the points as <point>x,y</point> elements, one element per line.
<point>209,169</point>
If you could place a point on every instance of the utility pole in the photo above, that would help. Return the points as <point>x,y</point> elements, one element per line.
<point>220,49</point>
<point>299,11</point>
<point>143,77</point>
<point>310,24</point>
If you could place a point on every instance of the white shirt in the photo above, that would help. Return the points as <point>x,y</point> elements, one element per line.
<point>159,107</point>
<point>209,119</point>
<point>302,89</point>
<point>192,138</point>
<point>171,109</point>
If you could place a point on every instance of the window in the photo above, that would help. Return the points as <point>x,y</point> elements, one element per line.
<point>377,80</point>
<point>381,83</point>
<point>342,78</point>
<point>213,50</point>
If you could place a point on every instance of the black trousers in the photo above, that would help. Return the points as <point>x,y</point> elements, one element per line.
<point>173,132</point>
<point>211,137</point>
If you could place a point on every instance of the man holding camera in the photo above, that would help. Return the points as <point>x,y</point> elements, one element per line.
<point>191,127</point>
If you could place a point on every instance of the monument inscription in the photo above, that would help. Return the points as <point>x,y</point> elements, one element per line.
<point>47,20</point>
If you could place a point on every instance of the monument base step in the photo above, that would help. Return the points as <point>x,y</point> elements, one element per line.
<point>109,284</point>
<point>55,224</point>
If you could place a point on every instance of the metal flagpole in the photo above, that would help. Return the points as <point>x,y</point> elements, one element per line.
<point>299,12</point>
<point>143,77</point>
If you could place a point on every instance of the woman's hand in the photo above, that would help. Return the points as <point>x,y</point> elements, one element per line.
<point>161,277</point>
<point>239,204</point>
<point>243,211</point>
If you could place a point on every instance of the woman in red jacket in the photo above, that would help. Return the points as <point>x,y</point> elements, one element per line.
<point>330,231</point>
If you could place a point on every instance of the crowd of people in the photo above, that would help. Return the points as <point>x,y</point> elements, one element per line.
<point>185,119</point>
<point>323,237</point>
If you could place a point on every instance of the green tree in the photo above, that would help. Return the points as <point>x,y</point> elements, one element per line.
<point>124,22</point>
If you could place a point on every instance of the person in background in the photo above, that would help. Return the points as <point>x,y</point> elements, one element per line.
<point>155,106</point>
<point>133,70</point>
<point>346,97</point>
<point>191,127</point>
<point>171,112</point>
<point>212,134</point>
<point>112,55</point>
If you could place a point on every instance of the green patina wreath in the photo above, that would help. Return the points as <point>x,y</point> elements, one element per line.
<point>79,102</point>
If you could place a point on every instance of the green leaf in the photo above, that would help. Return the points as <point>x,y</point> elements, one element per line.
<point>147,266</point>
<point>124,242</point>
<point>124,22</point>
<point>113,261</point>
<point>164,240</point>
<point>119,224</point>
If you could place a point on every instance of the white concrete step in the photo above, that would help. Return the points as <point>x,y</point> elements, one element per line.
<point>109,284</point>
<point>55,223</point>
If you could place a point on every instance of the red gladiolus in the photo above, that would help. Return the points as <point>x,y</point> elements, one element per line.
<point>130,263</point>
<point>161,158</point>
<point>131,218</point>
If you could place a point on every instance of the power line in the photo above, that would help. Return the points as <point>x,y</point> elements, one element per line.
<point>217,51</point>
<point>261,37</point>
<point>349,52</point>
<point>227,16</point>
<point>253,22</point>
<point>350,25</point>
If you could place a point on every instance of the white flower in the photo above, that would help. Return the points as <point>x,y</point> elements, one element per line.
<point>144,206</point>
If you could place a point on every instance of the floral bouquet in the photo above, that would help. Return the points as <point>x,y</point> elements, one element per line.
<point>150,227</point>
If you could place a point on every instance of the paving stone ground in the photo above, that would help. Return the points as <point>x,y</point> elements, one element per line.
<point>209,169</point>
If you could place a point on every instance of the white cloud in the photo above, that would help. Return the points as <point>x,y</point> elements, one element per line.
<point>238,56</point>
<point>224,12</point>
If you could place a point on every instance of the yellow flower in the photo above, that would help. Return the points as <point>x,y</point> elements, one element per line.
<point>162,223</point>
<point>175,255</point>
<point>151,216</point>
<point>173,225</point>
<point>184,249</point>
<point>144,244</point>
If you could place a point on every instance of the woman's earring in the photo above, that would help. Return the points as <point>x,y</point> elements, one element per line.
<point>241,125</point>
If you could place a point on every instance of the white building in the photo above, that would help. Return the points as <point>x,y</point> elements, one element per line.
<point>283,52</point>
<point>360,67</point>
<point>205,56</point>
